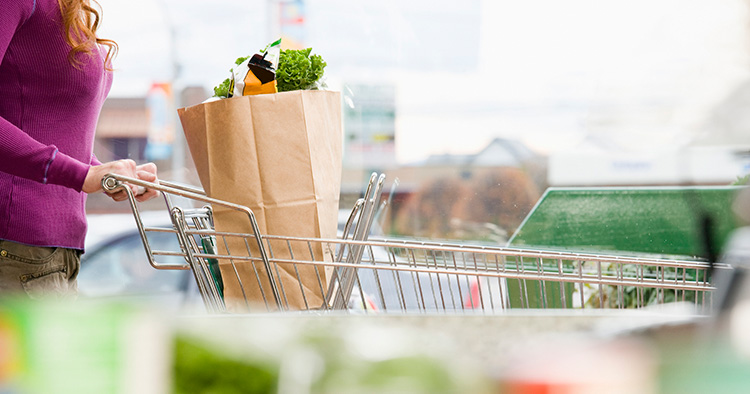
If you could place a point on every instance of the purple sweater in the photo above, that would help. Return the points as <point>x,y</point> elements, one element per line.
<point>48,115</point>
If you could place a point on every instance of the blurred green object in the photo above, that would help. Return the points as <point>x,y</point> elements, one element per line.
<point>64,347</point>
<point>203,368</point>
<point>198,368</point>
<point>659,222</point>
<point>313,355</point>
<point>525,294</point>
<point>742,180</point>
<point>690,366</point>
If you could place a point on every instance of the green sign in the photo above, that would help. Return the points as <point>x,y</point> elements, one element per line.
<point>664,221</point>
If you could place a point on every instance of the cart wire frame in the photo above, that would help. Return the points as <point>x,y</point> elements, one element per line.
<point>388,275</point>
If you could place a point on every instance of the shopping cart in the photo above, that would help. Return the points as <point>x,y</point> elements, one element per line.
<point>389,275</point>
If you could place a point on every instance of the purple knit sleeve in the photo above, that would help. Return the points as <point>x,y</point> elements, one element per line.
<point>13,14</point>
<point>20,154</point>
<point>66,171</point>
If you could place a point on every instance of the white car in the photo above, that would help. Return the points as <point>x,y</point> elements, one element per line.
<point>115,264</point>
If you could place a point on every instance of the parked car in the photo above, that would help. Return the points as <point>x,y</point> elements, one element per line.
<point>115,264</point>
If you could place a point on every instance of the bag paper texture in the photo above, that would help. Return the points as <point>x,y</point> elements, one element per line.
<point>279,155</point>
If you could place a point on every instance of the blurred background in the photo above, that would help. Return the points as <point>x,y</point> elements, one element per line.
<point>476,107</point>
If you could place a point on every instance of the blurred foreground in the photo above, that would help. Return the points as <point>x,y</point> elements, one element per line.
<point>112,348</point>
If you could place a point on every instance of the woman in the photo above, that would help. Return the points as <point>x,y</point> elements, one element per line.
<point>54,76</point>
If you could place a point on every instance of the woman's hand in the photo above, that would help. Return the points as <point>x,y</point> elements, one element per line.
<point>126,167</point>
<point>147,172</point>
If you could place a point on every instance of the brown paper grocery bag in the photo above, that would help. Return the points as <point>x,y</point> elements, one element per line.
<point>280,155</point>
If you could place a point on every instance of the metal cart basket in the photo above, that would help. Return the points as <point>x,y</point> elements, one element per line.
<point>386,275</point>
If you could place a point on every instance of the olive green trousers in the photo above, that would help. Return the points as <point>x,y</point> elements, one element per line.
<point>38,272</point>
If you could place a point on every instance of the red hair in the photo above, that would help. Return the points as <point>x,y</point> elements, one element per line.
<point>80,23</point>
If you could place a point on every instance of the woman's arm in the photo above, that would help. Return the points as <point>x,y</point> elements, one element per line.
<point>20,154</point>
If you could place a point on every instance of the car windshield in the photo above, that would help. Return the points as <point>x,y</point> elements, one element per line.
<point>119,266</point>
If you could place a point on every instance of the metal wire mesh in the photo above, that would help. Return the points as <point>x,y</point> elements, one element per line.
<point>410,276</point>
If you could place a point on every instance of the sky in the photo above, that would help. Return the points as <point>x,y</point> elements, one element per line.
<point>203,38</point>
<point>548,72</point>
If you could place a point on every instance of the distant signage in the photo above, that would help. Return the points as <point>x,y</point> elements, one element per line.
<point>292,23</point>
<point>161,127</point>
<point>370,126</point>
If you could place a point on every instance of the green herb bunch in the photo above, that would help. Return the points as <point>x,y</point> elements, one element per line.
<point>298,70</point>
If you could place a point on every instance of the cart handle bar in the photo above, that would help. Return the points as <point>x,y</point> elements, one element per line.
<point>113,182</point>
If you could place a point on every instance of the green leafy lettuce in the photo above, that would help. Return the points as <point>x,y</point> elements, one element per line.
<point>298,70</point>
